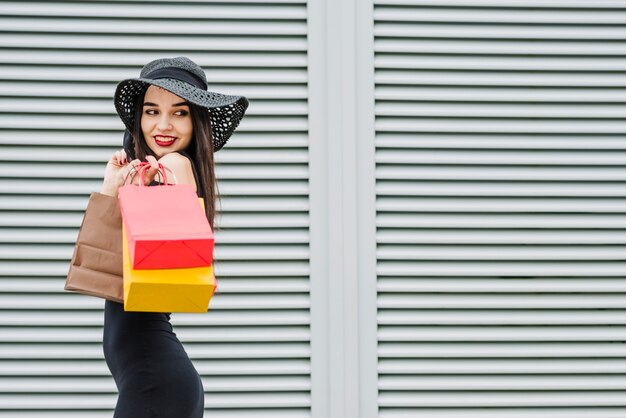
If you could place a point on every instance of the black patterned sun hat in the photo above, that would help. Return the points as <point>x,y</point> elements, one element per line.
<point>184,78</point>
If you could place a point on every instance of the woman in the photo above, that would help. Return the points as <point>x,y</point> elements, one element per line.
<point>171,119</point>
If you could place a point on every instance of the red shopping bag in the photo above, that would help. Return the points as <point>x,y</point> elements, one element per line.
<point>166,225</point>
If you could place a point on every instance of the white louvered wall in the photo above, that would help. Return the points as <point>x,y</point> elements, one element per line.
<point>500,208</point>
<point>59,64</point>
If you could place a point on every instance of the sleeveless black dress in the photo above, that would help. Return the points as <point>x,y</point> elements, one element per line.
<point>153,373</point>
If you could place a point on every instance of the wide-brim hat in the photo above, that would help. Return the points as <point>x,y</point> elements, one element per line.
<point>184,78</point>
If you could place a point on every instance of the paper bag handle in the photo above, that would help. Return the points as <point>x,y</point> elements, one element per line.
<point>143,166</point>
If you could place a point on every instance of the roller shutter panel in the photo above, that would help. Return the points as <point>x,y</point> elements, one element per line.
<point>500,208</point>
<point>59,64</point>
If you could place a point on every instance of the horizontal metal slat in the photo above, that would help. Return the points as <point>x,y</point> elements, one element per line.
<point>79,203</point>
<point>513,171</point>
<point>100,401</point>
<point>196,351</point>
<point>481,110</point>
<point>213,26</point>
<point>462,284</point>
<point>503,333</point>
<point>206,59</point>
<point>477,47</point>
<point>501,383</point>
<point>499,221</point>
<point>158,43</point>
<point>107,385</point>
<point>266,412</point>
<point>489,399</point>
<point>503,268</point>
<point>214,334</point>
<point>94,318</point>
<point>508,94</point>
<point>232,10</point>
<point>508,205</point>
<point>499,125</point>
<point>285,284</point>
<point>22,154</point>
<point>589,143</point>
<point>106,122</point>
<point>510,78</point>
<point>113,75</point>
<point>497,31</point>
<point>208,367</point>
<point>225,268</point>
<point>502,301</point>
<point>505,350</point>
<point>486,188</point>
<point>552,412</point>
<point>101,107</point>
<point>477,317</point>
<point>57,384</point>
<point>225,173</point>
<point>501,236</point>
<point>494,63</point>
<point>39,88</point>
<point>471,14</point>
<point>580,159</point>
<point>68,236</point>
<point>112,141</point>
<point>544,366</point>
<point>82,187</point>
<point>539,5</point>
<point>487,252</point>
<point>221,301</point>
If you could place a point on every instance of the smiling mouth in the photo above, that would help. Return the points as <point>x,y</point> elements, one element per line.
<point>164,141</point>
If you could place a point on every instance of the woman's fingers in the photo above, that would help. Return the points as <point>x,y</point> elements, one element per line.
<point>113,160</point>
<point>126,169</point>
<point>152,171</point>
<point>129,170</point>
<point>153,161</point>
<point>119,158</point>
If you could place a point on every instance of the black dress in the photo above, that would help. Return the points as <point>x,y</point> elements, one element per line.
<point>153,373</point>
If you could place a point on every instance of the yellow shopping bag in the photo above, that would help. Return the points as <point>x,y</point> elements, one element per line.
<point>166,290</point>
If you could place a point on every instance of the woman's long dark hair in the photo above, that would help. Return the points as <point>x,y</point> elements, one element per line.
<point>200,150</point>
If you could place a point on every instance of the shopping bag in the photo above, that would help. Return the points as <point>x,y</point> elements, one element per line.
<point>166,290</point>
<point>96,266</point>
<point>165,225</point>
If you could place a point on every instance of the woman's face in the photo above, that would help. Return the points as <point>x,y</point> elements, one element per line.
<point>165,121</point>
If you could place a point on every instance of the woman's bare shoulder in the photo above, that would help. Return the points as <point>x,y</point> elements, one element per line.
<point>181,166</point>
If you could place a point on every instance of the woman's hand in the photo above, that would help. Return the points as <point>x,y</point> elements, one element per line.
<point>118,170</point>
<point>150,172</point>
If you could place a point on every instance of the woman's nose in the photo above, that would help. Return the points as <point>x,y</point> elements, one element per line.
<point>164,123</point>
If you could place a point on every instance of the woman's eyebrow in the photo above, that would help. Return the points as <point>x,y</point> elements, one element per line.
<point>177,104</point>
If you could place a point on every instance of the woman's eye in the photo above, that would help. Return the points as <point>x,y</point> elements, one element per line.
<point>177,113</point>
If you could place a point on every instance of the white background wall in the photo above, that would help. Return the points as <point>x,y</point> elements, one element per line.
<point>423,211</point>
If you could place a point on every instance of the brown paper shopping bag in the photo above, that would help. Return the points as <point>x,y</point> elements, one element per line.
<point>96,267</point>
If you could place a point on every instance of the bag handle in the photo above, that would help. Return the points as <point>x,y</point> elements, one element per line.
<point>143,167</point>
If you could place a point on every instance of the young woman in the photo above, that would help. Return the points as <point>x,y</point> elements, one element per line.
<point>171,119</point>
